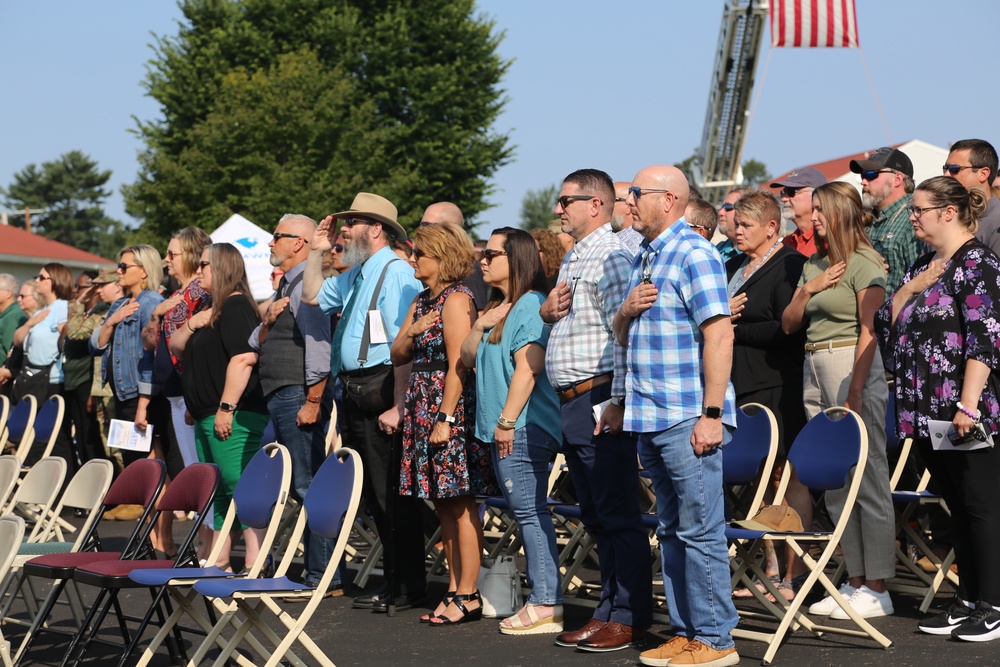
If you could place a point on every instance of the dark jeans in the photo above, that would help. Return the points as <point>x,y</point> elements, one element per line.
<point>307,447</point>
<point>605,475</point>
<point>968,482</point>
<point>398,518</point>
<point>157,416</point>
<point>87,438</point>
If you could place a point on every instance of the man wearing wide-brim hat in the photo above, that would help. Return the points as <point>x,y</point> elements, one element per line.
<point>373,297</point>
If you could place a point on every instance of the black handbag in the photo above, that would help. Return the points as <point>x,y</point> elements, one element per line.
<point>31,381</point>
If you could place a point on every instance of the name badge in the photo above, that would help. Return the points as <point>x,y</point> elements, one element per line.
<point>377,332</point>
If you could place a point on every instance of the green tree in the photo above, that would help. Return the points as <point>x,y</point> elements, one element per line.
<point>270,106</point>
<point>755,173</point>
<point>71,190</point>
<point>537,207</point>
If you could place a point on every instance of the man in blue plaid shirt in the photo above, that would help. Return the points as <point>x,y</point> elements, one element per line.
<point>678,399</point>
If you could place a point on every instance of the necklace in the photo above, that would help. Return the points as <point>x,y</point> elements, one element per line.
<point>739,279</point>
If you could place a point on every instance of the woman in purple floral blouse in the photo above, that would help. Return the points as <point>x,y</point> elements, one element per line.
<point>939,334</point>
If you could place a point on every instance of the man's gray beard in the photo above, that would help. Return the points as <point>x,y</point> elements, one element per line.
<point>787,213</point>
<point>870,200</point>
<point>274,260</point>
<point>357,252</point>
<point>617,223</point>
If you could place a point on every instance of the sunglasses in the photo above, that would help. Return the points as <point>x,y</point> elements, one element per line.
<point>77,288</point>
<point>637,192</point>
<point>917,211</point>
<point>727,207</point>
<point>337,247</point>
<point>123,267</point>
<point>872,174</point>
<point>489,254</point>
<point>954,169</point>
<point>790,191</point>
<point>202,264</point>
<point>40,277</point>
<point>277,236</point>
<point>350,222</point>
<point>418,253</point>
<point>566,200</point>
<point>697,226</point>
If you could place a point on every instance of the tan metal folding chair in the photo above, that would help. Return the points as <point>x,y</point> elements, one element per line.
<point>11,534</point>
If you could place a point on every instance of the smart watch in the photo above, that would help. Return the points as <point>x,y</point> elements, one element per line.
<point>712,412</point>
<point>445,417</point>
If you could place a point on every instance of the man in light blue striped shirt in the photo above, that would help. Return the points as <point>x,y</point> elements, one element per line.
<point>675,322</point>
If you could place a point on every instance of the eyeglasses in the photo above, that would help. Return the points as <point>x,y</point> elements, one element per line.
<point>202,264</point>
<point>123,267</point>
<point>350,222</point>
<point>620,199</point>
<point>727,207</point>
<point>791,192</point>
<point>40,277</point>
<point>77,288</point>
<point>418,253</point>
<point>337,247</point>
<point>566,200</point>
<point>872,174</point>
<point>954,169</point>
<point>696,226</point>
<point>425,223</point>
<point>489,254</point>
<point>637,192</point>
<point>170,254</point>
<point>277,236</point>
<point>25,296</point>
<point>917,211</point>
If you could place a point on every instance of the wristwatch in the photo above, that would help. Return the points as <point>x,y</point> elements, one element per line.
<point>618,400</point>
<point>445,417</point>
<point>712,412</point>
<point>227,407</point>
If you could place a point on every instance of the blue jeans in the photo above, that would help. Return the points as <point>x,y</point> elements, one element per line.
<point>524,477</point>
<point>307,448</point>
<point>692,534</point>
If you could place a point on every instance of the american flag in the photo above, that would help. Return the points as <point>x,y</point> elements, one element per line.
<point>813,23</point>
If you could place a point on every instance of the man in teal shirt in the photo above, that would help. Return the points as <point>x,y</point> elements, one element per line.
<point>11,315</point>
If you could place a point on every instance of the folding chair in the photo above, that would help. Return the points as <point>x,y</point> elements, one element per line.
<point>824,455</point>
<point>85,491</point>
<point>259,499</point>
<point>38,492</point>
<point>10,472</point>
<point>139,484</point>
<point>44,429</point>
<point>4,412</point>
<point>329,509</point>
<point>11,534</point>
<point>19,427</point>
<point>193,490</point>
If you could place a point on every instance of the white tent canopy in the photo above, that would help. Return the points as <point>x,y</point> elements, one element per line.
<point>252,242</point>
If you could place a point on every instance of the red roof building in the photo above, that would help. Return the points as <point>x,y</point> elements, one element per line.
<point>23,253</point>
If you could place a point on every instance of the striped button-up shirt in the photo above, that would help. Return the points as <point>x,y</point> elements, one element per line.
<point>665,384</point>
<point>582,344</point>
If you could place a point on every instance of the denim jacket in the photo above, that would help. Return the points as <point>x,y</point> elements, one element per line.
<point>133,365</point>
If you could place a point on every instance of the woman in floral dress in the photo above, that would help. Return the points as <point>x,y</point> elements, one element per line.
<point>441,460</point>
<point>939,335</point>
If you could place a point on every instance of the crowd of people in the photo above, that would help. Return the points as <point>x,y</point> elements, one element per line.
<point>624,334</point>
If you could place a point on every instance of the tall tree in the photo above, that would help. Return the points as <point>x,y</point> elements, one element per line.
<point>755,173</point>
<point>271,106</point>
<point>71,190</point>
<point>537,206</point>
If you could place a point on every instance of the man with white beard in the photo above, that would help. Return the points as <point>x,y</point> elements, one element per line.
<point>796,206</point>
<point>886,187</point>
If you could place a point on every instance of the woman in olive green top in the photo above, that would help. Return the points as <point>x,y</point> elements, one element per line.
<point>841,288</point>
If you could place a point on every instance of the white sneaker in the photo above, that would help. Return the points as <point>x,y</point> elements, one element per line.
<point>826,606</point>
<point>867,603</point>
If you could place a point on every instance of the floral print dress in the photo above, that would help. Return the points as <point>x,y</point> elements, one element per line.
<point>463,465</point>
<point>936,332</point>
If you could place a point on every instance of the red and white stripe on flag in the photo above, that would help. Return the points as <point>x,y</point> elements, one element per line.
<point>813,23</point>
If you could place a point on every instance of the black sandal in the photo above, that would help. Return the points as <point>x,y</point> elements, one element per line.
<point>467,615</point>
<point>446,600</point>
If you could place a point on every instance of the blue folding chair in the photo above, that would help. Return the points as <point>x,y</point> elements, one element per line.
<point>19,427</point>
<point>829,453</point>
<point>329,509</point>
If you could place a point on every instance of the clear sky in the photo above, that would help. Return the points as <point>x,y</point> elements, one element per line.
<point>616,87</point>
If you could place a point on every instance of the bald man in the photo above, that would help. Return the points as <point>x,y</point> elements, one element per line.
<point>675,324</point>
<point>621,218</point>
<point>293,347</point>
<point>444,212</point>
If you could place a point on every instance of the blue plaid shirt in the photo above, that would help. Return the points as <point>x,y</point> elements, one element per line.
<point>665,384</point>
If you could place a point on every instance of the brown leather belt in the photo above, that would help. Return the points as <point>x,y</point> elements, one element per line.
<point>582,388</point>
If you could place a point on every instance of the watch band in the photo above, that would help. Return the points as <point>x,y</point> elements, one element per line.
<point>227,407</point>
<point>445,417</point>
<point>712,411</point>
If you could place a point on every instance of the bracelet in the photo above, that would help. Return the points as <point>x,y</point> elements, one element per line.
<point>974,416</point>
<point>313,399</point>
<point>506,424</point>
<point>188,325</point>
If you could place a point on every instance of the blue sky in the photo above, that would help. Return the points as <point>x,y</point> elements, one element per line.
<point>592,85</point>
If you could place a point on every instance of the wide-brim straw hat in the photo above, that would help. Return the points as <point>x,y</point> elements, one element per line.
<point>377,208</point>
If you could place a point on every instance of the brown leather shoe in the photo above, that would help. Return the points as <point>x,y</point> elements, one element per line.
<point>613,637</point>
<point>571,639</point>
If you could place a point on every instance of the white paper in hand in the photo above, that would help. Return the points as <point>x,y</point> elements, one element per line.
<point>124,435</point>
<point>939,430</point>
<point>376,328</point>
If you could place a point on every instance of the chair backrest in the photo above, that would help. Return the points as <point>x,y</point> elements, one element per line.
<point>11,535</point>
<point>4,411</point>
<point>42,483</point>
<point>826,449</point>
<point>138,484</point>
<point>193,490</point>
<point>48,422</point>
<point>331,492</point>
<point>86,491</point>
<point>260,486</point>
<point>10,470</point>
<point>755,440</point>
<point>20,426</point>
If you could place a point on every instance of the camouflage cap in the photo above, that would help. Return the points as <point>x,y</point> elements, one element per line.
<point>109,275</point>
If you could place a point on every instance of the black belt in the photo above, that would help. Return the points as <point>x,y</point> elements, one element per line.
<point>366,372</point>
<point>429,366</point>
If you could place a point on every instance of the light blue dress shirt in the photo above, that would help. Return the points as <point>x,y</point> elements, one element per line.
<point>42,344</point>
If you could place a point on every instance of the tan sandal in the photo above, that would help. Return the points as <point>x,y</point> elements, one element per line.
<point>536,625</point>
